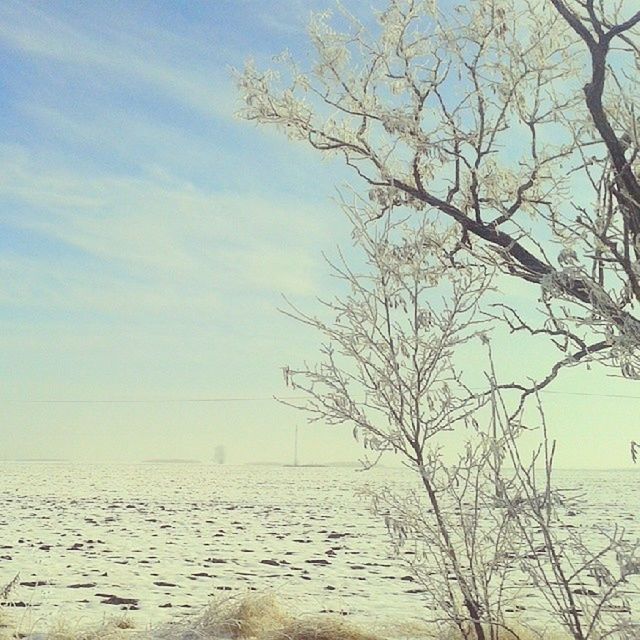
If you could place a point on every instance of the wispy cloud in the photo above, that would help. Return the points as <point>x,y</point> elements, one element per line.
<point>126,57</point>
<point>159,225</point>
<point>228,158</point>
<point>146,235</point>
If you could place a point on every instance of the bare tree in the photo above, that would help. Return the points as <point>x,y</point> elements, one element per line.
<point>511,121</point>
<point>392,368</point>
<point>496,140</point>
<point>388,369</point>
<point>578,572</point>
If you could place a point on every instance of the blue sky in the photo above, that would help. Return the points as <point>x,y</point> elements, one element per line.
<point>147,236</point>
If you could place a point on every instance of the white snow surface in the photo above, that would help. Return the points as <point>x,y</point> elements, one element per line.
<point>169,537</point>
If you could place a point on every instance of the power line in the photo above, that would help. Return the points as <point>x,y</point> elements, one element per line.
<point>597,395</point>
<point>147,400</point>
<point>252,399</point>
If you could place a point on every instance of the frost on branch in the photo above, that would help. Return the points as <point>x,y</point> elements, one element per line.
<point>512,122</point>
<point>388,356</point>
<point>472,524</point>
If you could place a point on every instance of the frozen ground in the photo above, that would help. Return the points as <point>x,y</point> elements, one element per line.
<point>88,540</point>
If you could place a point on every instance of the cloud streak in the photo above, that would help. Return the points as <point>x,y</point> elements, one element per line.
<point>125,57</point>
<point>163,230</point>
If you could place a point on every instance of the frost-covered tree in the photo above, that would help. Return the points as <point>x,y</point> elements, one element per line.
<point>511,121</point>
<point>395,367</point>
<point>388,368</point>
<point>492,139</point>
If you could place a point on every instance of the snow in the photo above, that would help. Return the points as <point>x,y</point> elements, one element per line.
<point>162,539</point>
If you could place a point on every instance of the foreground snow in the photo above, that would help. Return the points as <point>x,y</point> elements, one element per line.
<point>158,541</point>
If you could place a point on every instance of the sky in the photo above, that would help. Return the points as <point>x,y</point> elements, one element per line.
<point>147,236</point>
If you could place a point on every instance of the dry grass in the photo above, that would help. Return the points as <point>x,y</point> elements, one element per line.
<point>116,628</point>
<point>258,617</point>
<point>514,632</point>
<point>261,617</point>
<point>250,616</point>
<point>320,629</point>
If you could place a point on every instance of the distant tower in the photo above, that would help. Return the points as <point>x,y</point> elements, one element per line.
<point>219,455</point>
<point>295,448</point>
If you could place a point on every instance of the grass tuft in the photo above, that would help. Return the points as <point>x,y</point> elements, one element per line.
<point>240,617</point>
<point>257,617</point>
<point>320,629</point>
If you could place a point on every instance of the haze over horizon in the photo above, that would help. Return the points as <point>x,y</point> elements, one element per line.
<point>148,236</point>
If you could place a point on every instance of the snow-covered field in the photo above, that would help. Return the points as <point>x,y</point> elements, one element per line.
<point>160,539</point>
